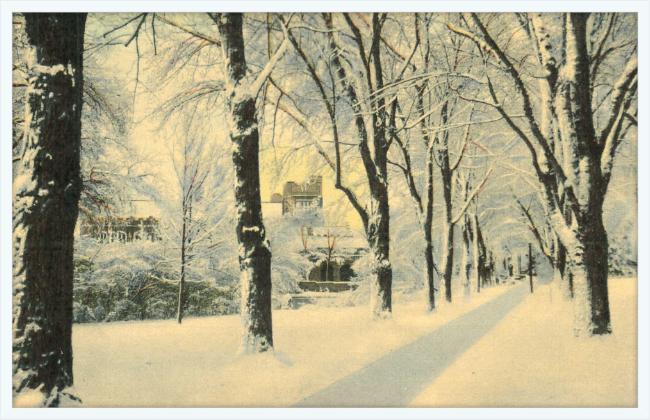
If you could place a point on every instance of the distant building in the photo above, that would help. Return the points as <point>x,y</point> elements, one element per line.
<point>296,197</point>
<point>121,229</point>
<point>140,221</point>
<point>328,251</point>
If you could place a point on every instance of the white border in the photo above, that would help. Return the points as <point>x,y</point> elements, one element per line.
<point>8,7</point>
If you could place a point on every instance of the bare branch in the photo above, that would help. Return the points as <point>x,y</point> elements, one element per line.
<point>618,98</point>
<point>471,197</point>
<point>533,227</point>
<point>188,30</point>
<point>137,30</point>
<point>123,25</point>
<point>261,79</point>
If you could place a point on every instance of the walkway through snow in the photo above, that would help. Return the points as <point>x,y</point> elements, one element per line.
<point>396,379</point>
<point>163,364</point>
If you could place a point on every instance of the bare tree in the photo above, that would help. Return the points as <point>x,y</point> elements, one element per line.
<point>47,186</point>
<point>373,137</point>
<point>197,212</point>
<point>254,253</point>
<point>574,164</point>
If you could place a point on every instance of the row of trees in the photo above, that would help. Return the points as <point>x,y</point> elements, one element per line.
<point>376,96</point>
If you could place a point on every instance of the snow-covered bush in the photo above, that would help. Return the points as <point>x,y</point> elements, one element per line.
<point>82,314</point>
<point>123,282</point>
<point>125,310</point>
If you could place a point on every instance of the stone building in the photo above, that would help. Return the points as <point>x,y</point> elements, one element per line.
<point>121,229</point>
<point>299,197</point>
<point>139,220</point>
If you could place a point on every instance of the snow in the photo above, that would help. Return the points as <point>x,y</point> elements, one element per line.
<point>163,364</point>
<point>30,398</point>
<point>531,358</point>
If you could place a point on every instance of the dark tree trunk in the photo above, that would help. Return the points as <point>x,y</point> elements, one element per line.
<point>589,276</point>
<point>479,253</point>
<point>587,244</point>
<point>375,163</point>
<point>379,241</point>
<point>448,259</point>
<point>466,264</point>
<point>428,225</point>
<point>530,266</point>
<point>254,252</point>
<point>560,270</point>
<point>47,188</point>
<point>577,164</point>
<point>448,251</point>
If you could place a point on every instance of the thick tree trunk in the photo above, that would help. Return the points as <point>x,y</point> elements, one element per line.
<point>585,239</point>
<point>588,271</point>
<point>375,161</point>
<point>448,251</point>
<point>254,252</point>
<point>448,259</point>
<point>382,273</point>
<point>576,164</point>
<point>47,188</point>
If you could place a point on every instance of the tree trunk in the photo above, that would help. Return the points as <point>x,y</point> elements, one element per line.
<point>530,266</point>
<point>588,274</point>
<point>466,264</point>
<point>382,273</point>
<point>181,288</point>
<point>586,238</point>
<point>560,271</point>
<point>477,262</point>
<point>448,258</point>
<point>483,267</point>
<point>375,161</point>
<point>254,252</point>
<point>47,187</point>
<point>428,225</point>
<point>448,252</point>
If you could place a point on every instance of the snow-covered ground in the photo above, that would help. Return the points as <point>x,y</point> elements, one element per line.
<point>163,364</point>
<point>532,359</point>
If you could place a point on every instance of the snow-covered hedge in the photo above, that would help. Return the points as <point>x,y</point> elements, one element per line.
<point>124,282</point>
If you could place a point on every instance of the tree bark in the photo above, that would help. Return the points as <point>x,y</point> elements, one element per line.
<point>476,273</point>
<point>560,271</point>
<point>448,258</point>
<point>428,226</point>
<point>586,238</point>
<point>575,166</point>
<point>446,173</point>
<point>466,264</point>
<point>382,273</point>
<point>254,252</point>
<point>375,163</point>
<point>530,266</point>
<point>47,187</point>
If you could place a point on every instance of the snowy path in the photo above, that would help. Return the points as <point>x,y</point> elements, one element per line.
<point>398,378</point>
